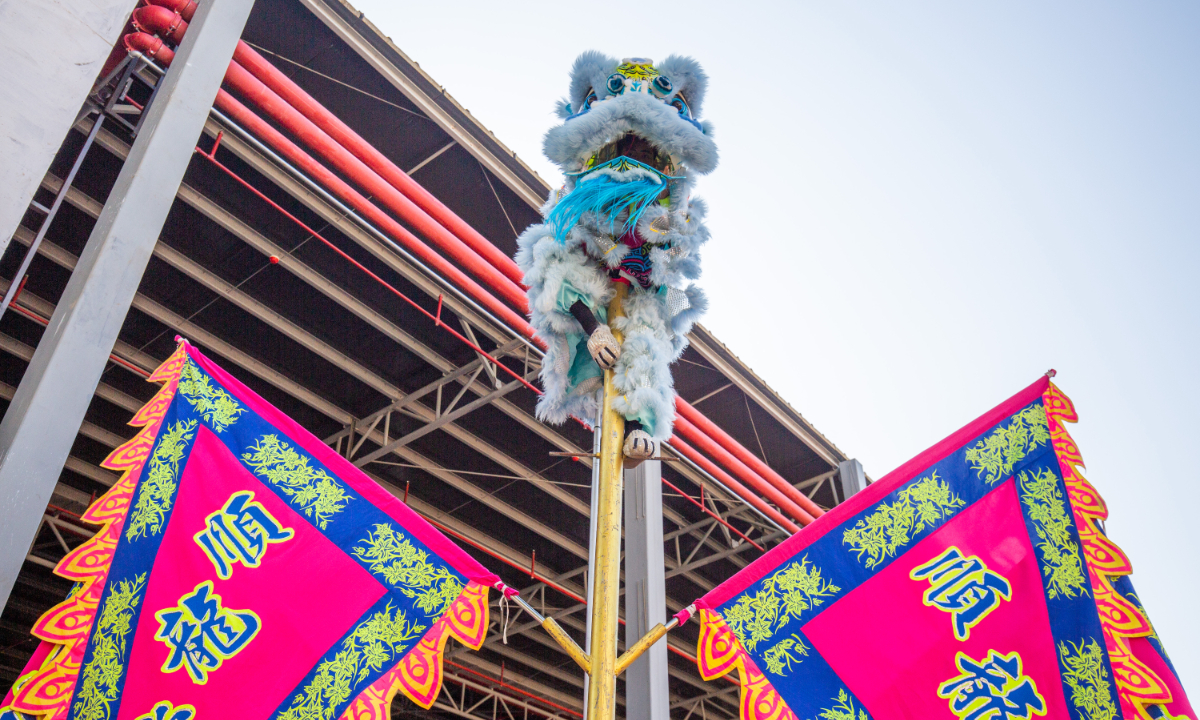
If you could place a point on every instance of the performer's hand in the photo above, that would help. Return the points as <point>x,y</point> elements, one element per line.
<point>604,347</point>
<point>639,446</point>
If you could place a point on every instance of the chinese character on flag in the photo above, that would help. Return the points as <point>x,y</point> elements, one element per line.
<point>246,570</point>
<point>974,582</point>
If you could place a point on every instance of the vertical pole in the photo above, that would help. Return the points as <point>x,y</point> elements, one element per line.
<point>31,253</point>
<point>591,570</point>
<point>646,681</point>
<point>851,477</point>
<point>605,598</point>
<point>49,405</point>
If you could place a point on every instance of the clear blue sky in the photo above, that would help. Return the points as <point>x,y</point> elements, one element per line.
<point>920,208</point>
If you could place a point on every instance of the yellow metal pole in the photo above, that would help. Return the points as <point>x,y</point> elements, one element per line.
<point>570,646</point>
<point>602,683</point>
<point>560,636</point>
<point>652,636</point>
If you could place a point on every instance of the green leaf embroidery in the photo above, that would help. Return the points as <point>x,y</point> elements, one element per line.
<point>843,709</point>
<point>893,525</point>
<point>310,489</point>
<point>405,567</point>
<point>787,594</point>
<point>1083,671</point>
<point>993,457</point>
<point>1061,563</point>
<point>376,643</point>
<point>782,654</point>
<point>215,405</point>
<point>157,491</point>
<point>100,678</point>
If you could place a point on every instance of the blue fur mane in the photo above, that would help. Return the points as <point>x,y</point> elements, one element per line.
<point>606,197</point>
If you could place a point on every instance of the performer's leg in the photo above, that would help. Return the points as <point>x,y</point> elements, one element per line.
<point>605,350</point>
<point>638,443</point>
<point>603,347</point>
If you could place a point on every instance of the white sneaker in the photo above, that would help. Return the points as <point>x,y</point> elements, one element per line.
<point>639,446</point>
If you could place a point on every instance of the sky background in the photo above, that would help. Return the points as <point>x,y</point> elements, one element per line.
<point>920,208</point>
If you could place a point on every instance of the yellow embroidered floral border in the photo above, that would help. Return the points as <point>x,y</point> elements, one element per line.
<point>1138,686</point>
<point>719,653</point>
<point>419,674</point>
<point>46,692</point>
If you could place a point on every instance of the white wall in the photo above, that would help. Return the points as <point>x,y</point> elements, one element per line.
<point>50,54</point>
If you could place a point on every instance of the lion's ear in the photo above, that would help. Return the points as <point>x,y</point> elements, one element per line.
<point>688,79</point>
<point>590,72</point>
<point>562,109</point>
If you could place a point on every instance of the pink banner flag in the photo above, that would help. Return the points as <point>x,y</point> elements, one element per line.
<point>974,582</point>
<point>246,570</point>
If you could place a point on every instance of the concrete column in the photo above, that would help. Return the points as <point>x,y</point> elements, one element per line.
<point>50,54</point>
<point>46,412</point>
<point>646,683</point>
<point>852,477</point>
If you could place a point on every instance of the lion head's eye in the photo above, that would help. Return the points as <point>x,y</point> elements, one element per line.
<point>681,105</point>
<point>616,83</point>
<point>589,101</point>
<point>662,84</point>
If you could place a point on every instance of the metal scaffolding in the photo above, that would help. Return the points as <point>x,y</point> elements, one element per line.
<point>445,425</point>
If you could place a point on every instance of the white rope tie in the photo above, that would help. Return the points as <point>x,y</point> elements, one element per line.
<point>504,610</point>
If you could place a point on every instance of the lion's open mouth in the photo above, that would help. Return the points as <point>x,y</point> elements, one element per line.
<point>637,148</point>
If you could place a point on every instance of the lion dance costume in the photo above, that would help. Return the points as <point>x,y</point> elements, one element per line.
<point>629,146</point>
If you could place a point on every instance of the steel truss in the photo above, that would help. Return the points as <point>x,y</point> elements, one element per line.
<point>141,364</point>
<point>369,440</point>
<point>403,402</point>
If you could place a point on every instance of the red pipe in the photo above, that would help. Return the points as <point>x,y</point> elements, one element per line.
<point>186,8</point>
<point>711,468</point>
<point>305,162</point>
<point>710,513</point>
<point>169,22</point>
<point>211,155</point>
<point>250,88</point>
<point>433,209</point>
<point>503,684</point>
<point>153,48</point>
<point>58,509</point>
<point>257,126</point>
<point>170,26</point>
<point>713,449</point>
<point>258,66</point>
<point>117,54</point>
<point>709,428</point>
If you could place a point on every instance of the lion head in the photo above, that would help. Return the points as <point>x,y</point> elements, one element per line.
<point>634,125</point>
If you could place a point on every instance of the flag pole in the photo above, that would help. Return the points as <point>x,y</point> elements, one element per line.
<point>580,657</point>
